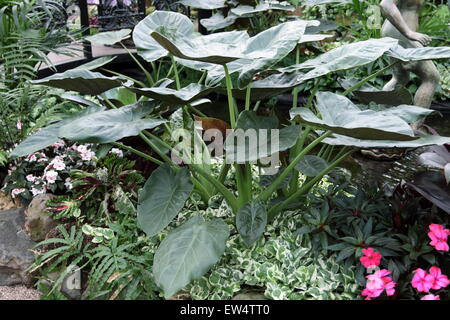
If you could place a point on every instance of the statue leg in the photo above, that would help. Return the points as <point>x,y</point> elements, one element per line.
<point>400,77</point>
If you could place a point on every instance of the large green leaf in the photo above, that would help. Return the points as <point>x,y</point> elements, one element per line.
<point>49,135</point>
<point>204,4</point>
<point>246,11</point>
<point>109,37</point>
<point>96,63</point>
<point>146,46</point>
<point>251,220</point>
<point>341,116</point>
<point>218,21</point>
<point>255,138</point>
<point>311,165</point>
<point>185,95</point>
<point>320,2</point>
<point>111,125</point>
<point>345,57</point>
<point>162,197</point>
<point>188,252</point>
<point>416,54</point>
<point>121,94</point>
<point>82,81</point>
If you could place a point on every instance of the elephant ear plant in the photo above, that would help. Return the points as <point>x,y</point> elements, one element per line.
<point>229,62</point>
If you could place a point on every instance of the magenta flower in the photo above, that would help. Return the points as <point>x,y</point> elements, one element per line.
<point>422,281</point>
<point>439,235</point>
<point>430,297</point>
<point>371,258</point>
<point>439,280</point>
<point>377,283</point>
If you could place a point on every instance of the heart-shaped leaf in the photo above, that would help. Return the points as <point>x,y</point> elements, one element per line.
<point>188,252</point>
<point>49,135</point>
<point>111,125</point>
<point>251,220</point>
<point>82,81</point>
<point>95,64</point>
<point>257,137</point>
<point>218,21</point>
<point>341,116</point>
<point>416,54</point>
<point>311,165</point>
<point>109,37</point>
<point>246,11</point>
<point>146,46</point>
<point>205,5</point>
<point>162,197</point>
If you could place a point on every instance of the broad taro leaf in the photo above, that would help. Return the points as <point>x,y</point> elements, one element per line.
<point>49,135</point>
<point>314,37</point>
<point>188,252</point>
<point>111,125</point>
<point>246,11</point>
<point>95,64</point>
<point>109,37</point>
<point>218,21</point>
<point>422,140</point>
<point>341,116</point>
<point>162,197</point>
<point>251,220</point>
<point>417,54</point>
<point>204,4</point>
<point>319,2</point>
<point>437,157</point>
<point>433,187</point>
<point>345,57</point>
<point>254,138</point>
<point>121,94</point>
<point>219,48</point>
<point>169,96</point>
<point>146,46</point>
<point>325,25</point>
<point>311,165</point>
<point>82,81</point>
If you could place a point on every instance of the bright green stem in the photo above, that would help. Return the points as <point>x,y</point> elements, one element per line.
<point>202,78</point>
<point>137,152</point>
<point>247,96</point>
<point>147,74</point>
<point>143,85</point>
<point>229,197</point>
<point>175,69</point>
<point>159,152</point>
<point>368,78</point>
<point>293,186</point>
<point>224,172</point>
<point>231,108</point>
<point>201,190</point>
<point>264,196</point>
<point>295,92</point>
<point>306,187</point>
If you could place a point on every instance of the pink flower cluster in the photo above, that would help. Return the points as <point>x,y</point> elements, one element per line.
<point>424,282</point>
<point>380,280</point>
<point>439,236</point>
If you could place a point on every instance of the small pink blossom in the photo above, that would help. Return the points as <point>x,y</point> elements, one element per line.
<point>431,297</point>
<point>377,283</point>
<point>59,144</point>
<point>51,176</point>
<point>58,164</point>
<point>439,280</point>
<point>15,192</point>
<point>371,258</point>
<point>439,236</point>
<point>422,281</point>
<point>36,191</point>
<point>31,158</point>
<point>117,152</point>
<point>19,125</point>
<point>30,178</point>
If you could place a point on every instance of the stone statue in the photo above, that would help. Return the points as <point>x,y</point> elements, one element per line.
<point>402,22</point>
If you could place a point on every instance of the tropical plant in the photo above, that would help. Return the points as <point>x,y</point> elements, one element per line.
<point>233,63</point>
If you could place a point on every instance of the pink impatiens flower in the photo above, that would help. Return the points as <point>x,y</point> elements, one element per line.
<point>371,259</point>
<point>377,283</point>
<point>439,235</point>
<point>422,281</point>
<point>430,297</point>
<point>439,280</point>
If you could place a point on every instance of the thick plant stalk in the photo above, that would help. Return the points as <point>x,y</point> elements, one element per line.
<point>147,74</point>
<point>231,107</point>
<point>139,153</point>
<point>175,69</point>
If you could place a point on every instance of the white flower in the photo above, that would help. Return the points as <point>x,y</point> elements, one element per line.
<point>16,191</point>
<point>36,191</point>
<point>58,164</point>
<point>68,184</point>
<point>82,149</point>
<point>30,178</point>
<point>51,176</point>
<point>117,152</point>
<point>87,156</point>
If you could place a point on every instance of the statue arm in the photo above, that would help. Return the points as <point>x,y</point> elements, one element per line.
<point>392,13</point>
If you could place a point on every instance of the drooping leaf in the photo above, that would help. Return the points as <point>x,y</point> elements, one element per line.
<point>314,37</point>
<point>111,125</point>
<point>109,37</point>
<point>169,96</point>
<point>251,220</point>
<point>257,137</point>
<point>146,46</point>
<point>218,21</point>
<point>311,165</point>
<point>49,135</point>
<point>431,159</point>
<point>341,116</point>
<point>188,252</point>
<point>416,54</point>
<point>247,11</point>
<point>320,2</point>
<point>325,25</point>
<point>121,94</point>
<point>82,81</point>
<point>162,197</point>
<point>95,64</point>
<point>205,5</point>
